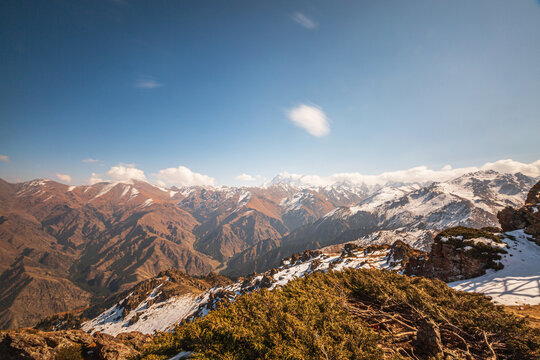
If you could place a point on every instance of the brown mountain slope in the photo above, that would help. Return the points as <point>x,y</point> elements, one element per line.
<point>65,247</point>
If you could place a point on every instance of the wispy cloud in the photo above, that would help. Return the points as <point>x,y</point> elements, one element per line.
<point>246,177</point>
<point>64,177</point>
<point>304,20</point>
<point>90,160</point>
<point>4,158</point>
<point>147,83</point>
<point>310,118</point>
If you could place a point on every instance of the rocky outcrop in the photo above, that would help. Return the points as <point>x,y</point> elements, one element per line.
<point>527,217</point>
<point>69,344</point>
<point>457,253</point>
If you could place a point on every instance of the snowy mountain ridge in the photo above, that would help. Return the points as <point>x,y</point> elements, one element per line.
<point>150,316</point>
<point>518,282</point>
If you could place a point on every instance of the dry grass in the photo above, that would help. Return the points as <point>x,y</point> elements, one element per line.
<point>532,312</point>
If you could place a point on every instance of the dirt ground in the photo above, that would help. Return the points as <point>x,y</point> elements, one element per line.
<point>532,311</point>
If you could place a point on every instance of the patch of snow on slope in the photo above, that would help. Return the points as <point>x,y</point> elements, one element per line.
<point>161,316</point>
<point>296,201</point>
<point>164,315</point>
<point>126,190</point>
<point>168,191</point>
<point>134,193</point>
<point>106,189</point>
<point>518,282</point>
<point>244,198</point>
<point>381,197</point>
<point>486,241</point>
<point>147,202</point>
<point>158,316</point>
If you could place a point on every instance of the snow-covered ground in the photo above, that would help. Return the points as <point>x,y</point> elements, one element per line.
<point>158,316</point>
<point>519,282</point>
<point>162,316</point>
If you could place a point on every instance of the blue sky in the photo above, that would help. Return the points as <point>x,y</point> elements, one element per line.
<point>213,86</point>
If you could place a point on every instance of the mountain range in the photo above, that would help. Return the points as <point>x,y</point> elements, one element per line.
<point>67,247</point>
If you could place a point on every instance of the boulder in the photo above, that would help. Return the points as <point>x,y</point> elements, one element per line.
<point>32,344</point>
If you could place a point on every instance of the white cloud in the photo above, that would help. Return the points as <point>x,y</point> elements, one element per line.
<point>94,179</point>
<point>511,166</point>
<point>246,177</point>
<point>310,118</point>
<point>147,83</point>
<point>182,176</point>
<point>64,177</point>
<point>304,20</point>
<point>4,158</point>
<point>125,172</point>
<point>419,174</point>
<point>90,160</point>
<point>447,167</point>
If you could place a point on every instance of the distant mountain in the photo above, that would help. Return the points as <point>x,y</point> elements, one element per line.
<point>66,247</point>
<point>393,212</point>
<point>62,245</point>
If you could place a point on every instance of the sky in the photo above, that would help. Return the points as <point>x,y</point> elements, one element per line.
<point>235,92</point>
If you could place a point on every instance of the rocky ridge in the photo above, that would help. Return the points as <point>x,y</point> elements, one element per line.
<point>526,217</point>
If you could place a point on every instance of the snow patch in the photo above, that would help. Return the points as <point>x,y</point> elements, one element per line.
<point>147,202</point>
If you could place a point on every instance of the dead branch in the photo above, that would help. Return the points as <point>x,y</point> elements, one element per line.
<point>493,355</point>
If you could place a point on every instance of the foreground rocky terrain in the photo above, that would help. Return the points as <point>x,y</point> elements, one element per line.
<point>70,344</point>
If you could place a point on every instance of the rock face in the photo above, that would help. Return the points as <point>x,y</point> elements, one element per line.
<point>458,253</point>
<point>450,263</point>
<point>69,344</point>
<point>527,217</point>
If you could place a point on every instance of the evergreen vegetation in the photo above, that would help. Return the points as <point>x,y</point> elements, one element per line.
<point>354,314</point>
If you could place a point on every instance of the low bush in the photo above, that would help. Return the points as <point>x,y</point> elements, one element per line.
<point>324,316</point>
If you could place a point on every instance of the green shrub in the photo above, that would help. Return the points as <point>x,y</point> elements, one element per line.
<point>468,233</point>
<point>311,318</point>
<point>492,229</point>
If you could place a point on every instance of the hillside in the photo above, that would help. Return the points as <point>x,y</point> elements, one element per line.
<point>354,314</point>
<point>506,264</point>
